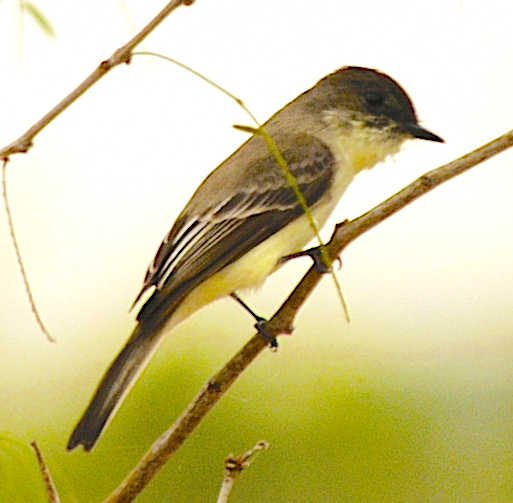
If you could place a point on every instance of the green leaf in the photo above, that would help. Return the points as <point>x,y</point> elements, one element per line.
<point>39,18</point>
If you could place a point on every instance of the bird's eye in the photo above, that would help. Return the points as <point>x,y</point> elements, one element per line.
<point>373,99</point>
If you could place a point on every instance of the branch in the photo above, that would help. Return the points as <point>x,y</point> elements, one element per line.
<point>215,388</point>
<point>28,289</point>
<point>51,491</point>
<point>233,467</point>
<point>122,55</point>
<point>423,185</point>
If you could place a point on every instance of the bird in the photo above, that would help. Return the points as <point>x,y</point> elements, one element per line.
<point>245,217</point>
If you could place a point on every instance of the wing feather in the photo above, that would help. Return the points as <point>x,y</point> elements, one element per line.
<point>200,245</point>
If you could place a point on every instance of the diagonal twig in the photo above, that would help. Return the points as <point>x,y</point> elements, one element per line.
<point>122,55</point>
<point>51,491</point>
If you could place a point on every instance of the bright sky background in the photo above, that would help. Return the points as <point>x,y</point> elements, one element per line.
<point>431,287</point>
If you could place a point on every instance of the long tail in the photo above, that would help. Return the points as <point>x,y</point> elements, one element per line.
<point>114,386</point>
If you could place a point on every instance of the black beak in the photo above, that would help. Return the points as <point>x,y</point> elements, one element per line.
<point>419,132</point>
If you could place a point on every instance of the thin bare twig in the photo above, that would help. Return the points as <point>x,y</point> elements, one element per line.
<point>51,491</point>
<point>122,55</point>
<point>28,290</point>
<point>216,387</point>
<point>233,467</point>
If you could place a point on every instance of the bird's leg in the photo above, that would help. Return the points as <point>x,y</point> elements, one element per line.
<point>260,325</point>
<point>316,255</point>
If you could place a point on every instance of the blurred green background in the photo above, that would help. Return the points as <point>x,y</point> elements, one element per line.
<point>410,402</point>
<point>345,423</point>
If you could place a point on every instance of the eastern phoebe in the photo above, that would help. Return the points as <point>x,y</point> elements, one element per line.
<point>245,216</point>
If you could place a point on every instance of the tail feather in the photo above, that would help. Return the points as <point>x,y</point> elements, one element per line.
<point>114,386</point>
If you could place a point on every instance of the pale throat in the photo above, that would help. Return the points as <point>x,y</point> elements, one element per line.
<point>361,145</point>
